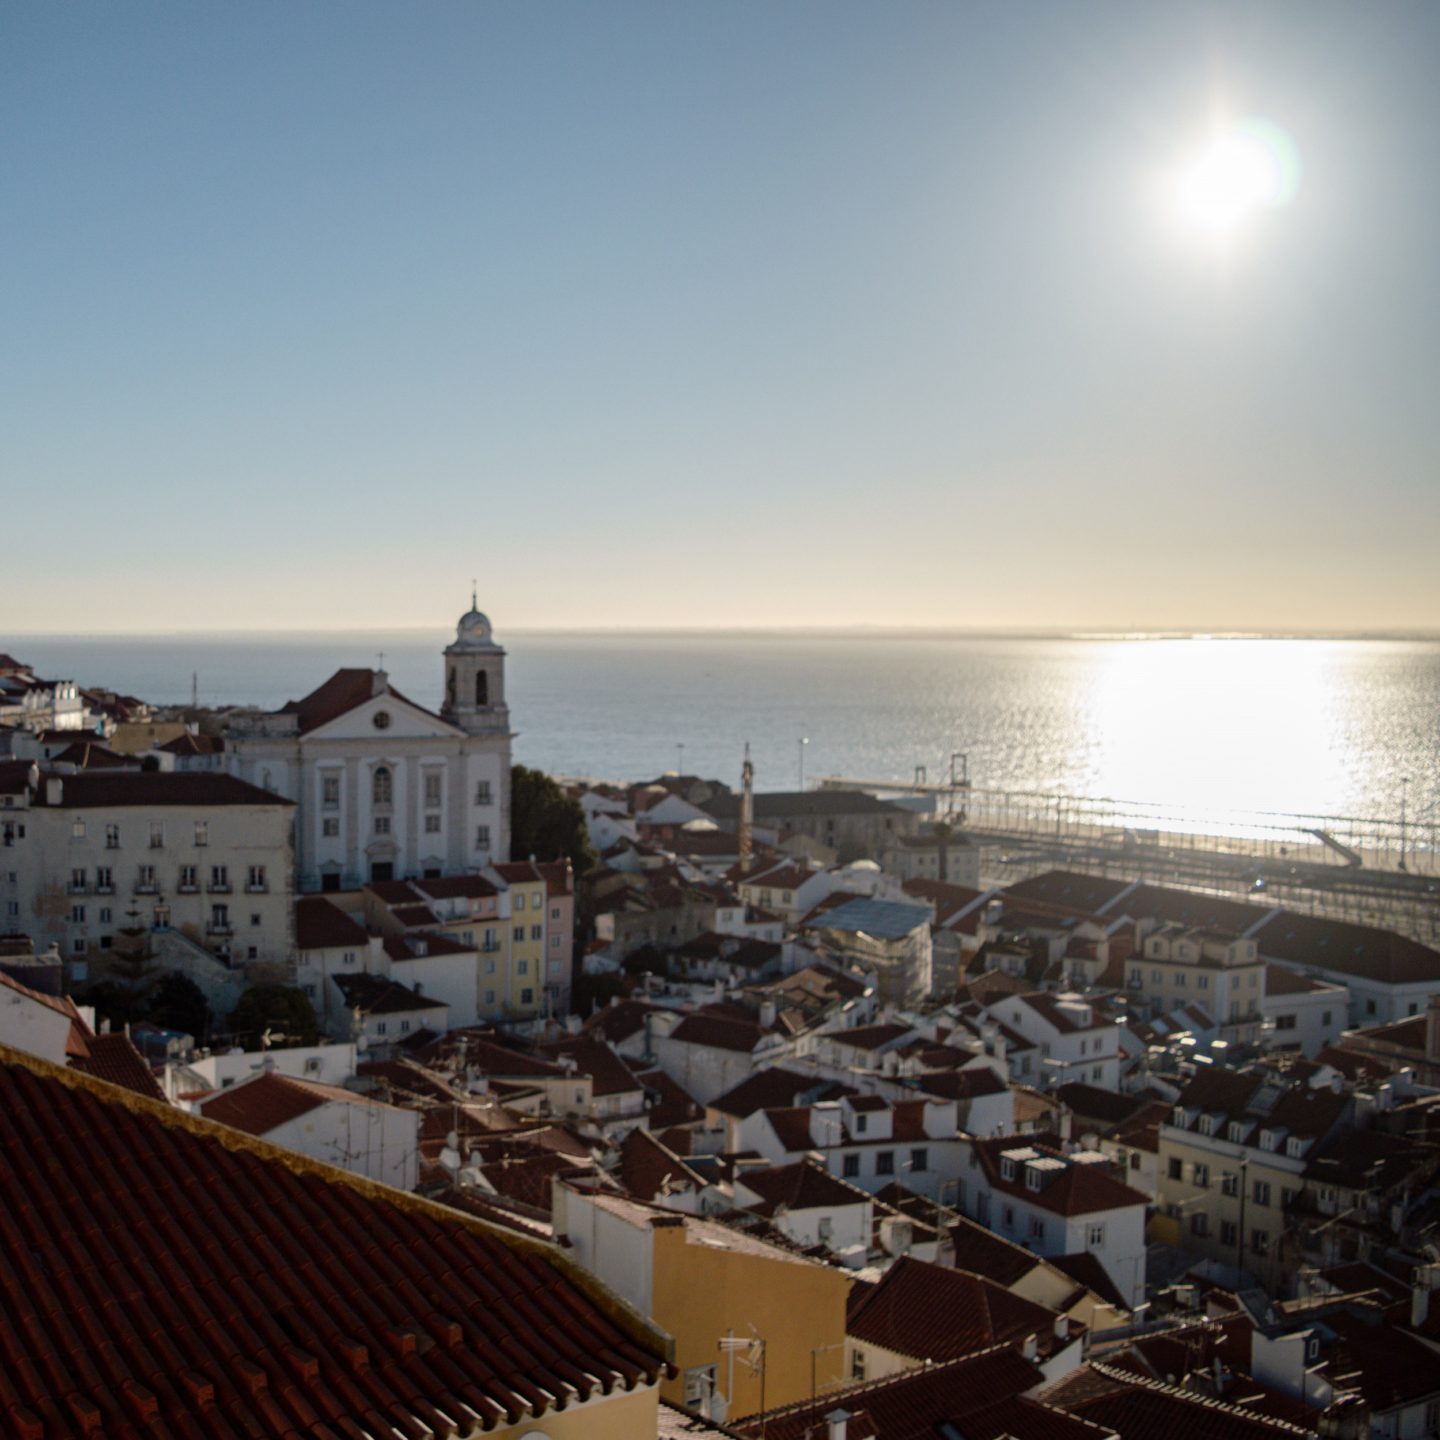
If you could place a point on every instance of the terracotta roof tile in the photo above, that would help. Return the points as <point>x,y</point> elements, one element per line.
<point>114,1058</point>
<point>294,1300</point>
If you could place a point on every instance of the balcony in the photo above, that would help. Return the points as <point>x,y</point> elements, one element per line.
<point>77,887</point>
<point>146,887</point>
<point>187,887</point>
<point>260,887</point>
<point>106,889</point>
<point>219,927</point>
<point>219,888</point>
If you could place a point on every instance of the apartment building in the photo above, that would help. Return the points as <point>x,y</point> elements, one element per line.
<point>1219,971</point>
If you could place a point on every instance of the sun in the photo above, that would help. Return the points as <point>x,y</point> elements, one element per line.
<point>1240,173</point>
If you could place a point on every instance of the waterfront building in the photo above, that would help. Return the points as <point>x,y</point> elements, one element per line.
<point>1217,970</point>
<point>385,789</point>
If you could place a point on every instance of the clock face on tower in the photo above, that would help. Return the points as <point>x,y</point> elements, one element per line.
<point>381,720</point>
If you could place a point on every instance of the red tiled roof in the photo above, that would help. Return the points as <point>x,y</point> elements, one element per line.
<point>377,995</point>
<point>608,1072</point>
<point>774,1089</point>
<point>867,1037</point>
<point>319,925</point>
<point>114,1058</point>
<point>1282,980</point>
<point>674,1105</point>
<point>801,1186</point>
<point>931,1312</point>
<point>294,1300</point>
<point>1077,1189</point>
<point>77,1041</point>
<point>983,1252</point>
<point>342,692</point>
<point>110,790</point>
<point>88,756</point>
<point>1363,951</point>
<point>718,1033</point>
<point>914,1405</point>
<point>649,1168</point>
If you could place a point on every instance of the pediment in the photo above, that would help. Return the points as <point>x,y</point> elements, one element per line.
<point>383,718</point>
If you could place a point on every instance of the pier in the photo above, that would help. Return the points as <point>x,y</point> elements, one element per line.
<point>1368,871</point>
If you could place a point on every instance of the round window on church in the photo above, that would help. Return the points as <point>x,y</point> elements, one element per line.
<point>381,720</point>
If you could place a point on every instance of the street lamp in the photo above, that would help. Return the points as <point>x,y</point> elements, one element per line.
<point>804,741</point>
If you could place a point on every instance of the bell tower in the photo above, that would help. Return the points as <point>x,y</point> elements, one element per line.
<point>475,677</point>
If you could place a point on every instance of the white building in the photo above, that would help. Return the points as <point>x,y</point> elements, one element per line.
<point>385,788</point>
<point>1028,1191</point>
<point>337,1127</point>
<point>1302,1013</point>
<point>1076,1040</point>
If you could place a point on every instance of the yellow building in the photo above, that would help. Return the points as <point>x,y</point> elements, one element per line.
<point>709,1285</point>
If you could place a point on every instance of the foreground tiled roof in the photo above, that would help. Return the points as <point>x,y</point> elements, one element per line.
<point>270,1296</point>
<point>319,925</point>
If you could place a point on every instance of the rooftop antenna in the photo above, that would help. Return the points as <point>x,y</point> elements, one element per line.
<point>747,810</point>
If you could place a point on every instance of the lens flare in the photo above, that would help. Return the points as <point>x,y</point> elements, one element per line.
<point>1243,171</point>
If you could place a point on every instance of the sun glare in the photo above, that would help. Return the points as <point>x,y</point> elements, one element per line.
<point>1243,171</point>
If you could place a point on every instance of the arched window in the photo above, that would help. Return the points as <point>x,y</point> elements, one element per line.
<point>482,688</point>
<point>380,789</point>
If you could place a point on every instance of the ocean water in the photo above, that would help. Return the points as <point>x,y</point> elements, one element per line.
<point>1338,727</point>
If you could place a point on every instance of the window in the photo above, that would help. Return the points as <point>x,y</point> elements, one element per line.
<point>1369,1007</point>
<point>850,1167</point>
<point>145,877</point>
<point>1288,1197</point>
<point>256,878</point>
<point>404,1027</point>
<point>382,824</point>
<point>188,879</point>
<point>12,908</point>
<point>1202,1176</point>
<point>330,828</point>
<point>157,835</point>
<point>219,917</point>
<point>1200,1224</point>
<point>202,832</point>
<point>857,1365</point>
<point>1179,979</point>
<point>554,912</point>
<point>432,788</point>
<point>519,899</point>
<point>482,793</point>
<point>104,879</point>
<point>885,1162</point>
<point>77,881</point>
<point>919,1161</point>
<point>219,877</point>
<point>489,997</point>
<point>1135,975</point>
<point>537,932</point>
<point>1228,1233</point>
<point>1134,1159</point>
<point>112,837</point>
<point>1260,1192</point>
<point>1007,1216</point>
<point>105,914</point>
<point>77,914</point>
<point>1176,1168</point>
<point>482,837</point>
<point>330,791</point>
<point>252,953</point>
<point>432,824</point>
<point>522,967</point>
<point>1325,1018</point>
<point>519,933</point>
<point>527,997</point>
<point>1097,1073</point>
<point>1259,1242</point>
<point>77,829</point>
<point>380,1028</point>
<point>77,945</point>
<point>382,786</point>
<point>254,919</point>
<point>1094,1237</point>
<point>1202,982</point>
<point>1229,1184</point>
<point>1284,1022</point>
<point>554,942</point>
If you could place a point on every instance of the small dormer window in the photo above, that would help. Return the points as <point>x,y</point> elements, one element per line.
<point>1032,1180</point>
<point>1295,1147</point>
<point>1207,1124</point>
<point>1178,1116</point>
<point>1007,1168</point>
<point>1236,1132</point>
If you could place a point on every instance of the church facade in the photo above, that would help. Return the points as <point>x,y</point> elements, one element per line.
<point>385,789</point>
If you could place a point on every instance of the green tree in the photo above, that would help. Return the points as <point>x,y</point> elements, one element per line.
<point>178,1003</point>
<point>546,822</point>
<point>280,1009</point>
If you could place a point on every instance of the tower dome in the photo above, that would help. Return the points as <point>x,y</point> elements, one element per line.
<point>473,631</point>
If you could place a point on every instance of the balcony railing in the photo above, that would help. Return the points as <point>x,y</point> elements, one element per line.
<point>187,887</point>
<point>257,887</point>
<point>219,887</point>
<point>146,887</point>
<point>219,927</point>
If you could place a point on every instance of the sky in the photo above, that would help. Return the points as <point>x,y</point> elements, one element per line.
<point>714,315</point>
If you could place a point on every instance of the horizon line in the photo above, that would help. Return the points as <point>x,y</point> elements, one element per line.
<point>817,632</point>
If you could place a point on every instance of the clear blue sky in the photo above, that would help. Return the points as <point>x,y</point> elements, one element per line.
<point>709,314</point>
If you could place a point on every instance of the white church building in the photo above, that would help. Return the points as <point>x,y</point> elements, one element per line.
<point>385,789</point>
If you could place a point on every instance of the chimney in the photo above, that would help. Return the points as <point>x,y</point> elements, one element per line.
<point>379,682</point>
<point>836,1422</point>
<point>767,1014</point>
<point>1031,1347</point>
<point>1062,1327</point>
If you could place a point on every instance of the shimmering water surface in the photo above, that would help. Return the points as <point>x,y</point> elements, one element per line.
<point>1311,726</point>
